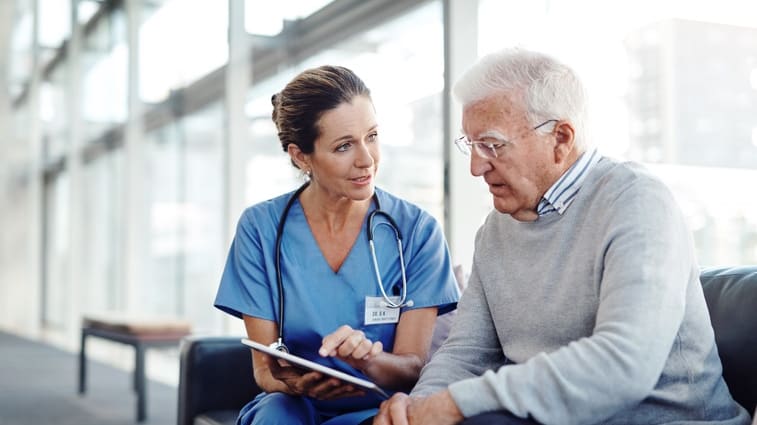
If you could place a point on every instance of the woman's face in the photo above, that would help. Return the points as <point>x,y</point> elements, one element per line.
<point>346,154</point>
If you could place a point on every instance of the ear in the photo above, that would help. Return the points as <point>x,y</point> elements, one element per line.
<point>565,138</point>
<point>299,157</point>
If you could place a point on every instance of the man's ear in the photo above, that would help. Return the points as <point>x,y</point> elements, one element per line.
<point>298,157</point>
<point>565,137</point>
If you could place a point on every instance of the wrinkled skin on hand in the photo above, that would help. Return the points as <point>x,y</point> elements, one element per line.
<point>436,409</point>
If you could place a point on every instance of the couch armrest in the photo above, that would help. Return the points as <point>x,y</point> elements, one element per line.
<point>731,295</point>
<point>215,374</point>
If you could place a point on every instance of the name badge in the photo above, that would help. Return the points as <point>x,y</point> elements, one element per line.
<point>376,311</point>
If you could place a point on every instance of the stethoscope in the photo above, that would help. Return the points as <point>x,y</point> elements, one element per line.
<point>386,302</point>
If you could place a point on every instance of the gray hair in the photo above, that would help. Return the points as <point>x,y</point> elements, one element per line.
<point>548,88</point>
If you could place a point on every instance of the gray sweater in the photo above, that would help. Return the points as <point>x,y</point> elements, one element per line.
<point>593,316</point>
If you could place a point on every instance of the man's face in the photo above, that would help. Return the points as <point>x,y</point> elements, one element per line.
<point>525,167</point>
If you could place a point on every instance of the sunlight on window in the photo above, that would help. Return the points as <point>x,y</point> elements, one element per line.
<point>400,69</point>
<point>86,9</point>
<point>21,52</point>
<point>54,22</point>
<point>263,17</point>
<point>179,43</point>
<point>672,84</point>
<point>104,83</point>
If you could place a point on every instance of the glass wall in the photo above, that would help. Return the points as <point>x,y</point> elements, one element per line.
<point>54,114</point>
<point>672,85</point>
<point>184,181</point>
<point>102,211</point>
<point>267,171</point>
<point>56,295</point>
<point>104,66</point>
<point>179,42</point>
<point>54,25</point>
<point>21,55</point>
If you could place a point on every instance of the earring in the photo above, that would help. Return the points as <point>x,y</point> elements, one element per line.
<point>308,173</point>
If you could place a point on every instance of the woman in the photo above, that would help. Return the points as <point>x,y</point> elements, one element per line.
<point>335,311</point>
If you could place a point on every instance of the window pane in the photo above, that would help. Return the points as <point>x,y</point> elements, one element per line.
<point>54,114</point>
<point>105,66</point>
<point>671,85</point>
<point>54,22</point>
<point>268,172</point>
<point>56,283</point>
<point>21,48</point>
<point>185,201</point>
<point>263,17</point>
<point>102,233</point>
<point>179,42</point>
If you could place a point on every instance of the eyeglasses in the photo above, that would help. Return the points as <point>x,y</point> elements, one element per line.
<point>487,149</point>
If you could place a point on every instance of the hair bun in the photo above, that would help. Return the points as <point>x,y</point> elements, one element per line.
<point>275,112</point>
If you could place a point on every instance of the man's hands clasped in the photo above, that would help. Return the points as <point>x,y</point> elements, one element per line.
<point>436,409</point>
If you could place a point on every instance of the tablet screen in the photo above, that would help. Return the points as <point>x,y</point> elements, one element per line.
<point>299,361</point>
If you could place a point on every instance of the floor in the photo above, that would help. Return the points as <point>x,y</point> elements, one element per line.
<point>38,385</point>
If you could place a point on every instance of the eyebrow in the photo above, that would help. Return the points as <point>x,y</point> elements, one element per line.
<point>493,134</point>
<point>348,137</point>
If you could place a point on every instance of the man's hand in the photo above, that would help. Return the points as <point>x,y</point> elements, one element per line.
<point>436,409</point>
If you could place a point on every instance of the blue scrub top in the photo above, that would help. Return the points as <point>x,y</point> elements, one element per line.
<point>317,300</point>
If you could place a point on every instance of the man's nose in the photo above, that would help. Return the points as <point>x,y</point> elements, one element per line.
<point>478,164</point>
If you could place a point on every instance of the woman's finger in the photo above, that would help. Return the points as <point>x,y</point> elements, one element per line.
<point>332,341</point>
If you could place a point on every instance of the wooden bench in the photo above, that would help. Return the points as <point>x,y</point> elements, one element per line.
<point>139,332</point>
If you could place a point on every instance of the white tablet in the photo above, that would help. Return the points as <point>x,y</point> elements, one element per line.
<point>299,361</point>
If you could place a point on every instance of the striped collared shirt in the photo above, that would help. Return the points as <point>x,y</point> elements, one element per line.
<point>561,194</point>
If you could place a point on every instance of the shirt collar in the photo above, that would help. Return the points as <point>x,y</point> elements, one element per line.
<point>561,194</point>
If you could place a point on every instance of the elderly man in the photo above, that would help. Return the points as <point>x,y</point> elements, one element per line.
<point>584,303</point>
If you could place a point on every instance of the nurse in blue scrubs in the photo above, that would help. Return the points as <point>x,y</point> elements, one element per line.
<point>334,310</point>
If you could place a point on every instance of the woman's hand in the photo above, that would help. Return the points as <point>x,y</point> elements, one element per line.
<point>395,370</point>
<point>311,384</point>
<point>350,345</point>
<point>274,375</point>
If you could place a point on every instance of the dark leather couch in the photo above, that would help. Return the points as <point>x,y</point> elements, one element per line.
<point>215,380</point>
<point>216,372</point>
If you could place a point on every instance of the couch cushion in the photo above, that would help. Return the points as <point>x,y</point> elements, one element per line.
<point>217,417</point>
<point>731,294</point>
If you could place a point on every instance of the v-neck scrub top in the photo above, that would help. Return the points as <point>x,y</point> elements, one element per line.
<point>318,300</point>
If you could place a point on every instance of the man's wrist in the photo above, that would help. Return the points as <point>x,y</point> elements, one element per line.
<point>444,402</point>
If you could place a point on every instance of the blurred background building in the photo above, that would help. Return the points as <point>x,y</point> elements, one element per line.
<point>134,132</point>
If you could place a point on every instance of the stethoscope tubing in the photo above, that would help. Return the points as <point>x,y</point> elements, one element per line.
<point>279,344</point>
<point>398,235</point>
<point>279,281</point>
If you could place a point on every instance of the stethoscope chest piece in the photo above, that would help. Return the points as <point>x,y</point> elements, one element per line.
<point>279,345</point>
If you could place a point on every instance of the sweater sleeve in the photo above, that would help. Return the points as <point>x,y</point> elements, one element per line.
<point>646,265</point>
<point>471,347</point>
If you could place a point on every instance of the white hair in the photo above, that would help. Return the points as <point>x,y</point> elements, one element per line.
<point>548,88</point>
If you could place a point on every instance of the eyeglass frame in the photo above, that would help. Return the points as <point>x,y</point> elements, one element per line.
<point>464,144</point>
